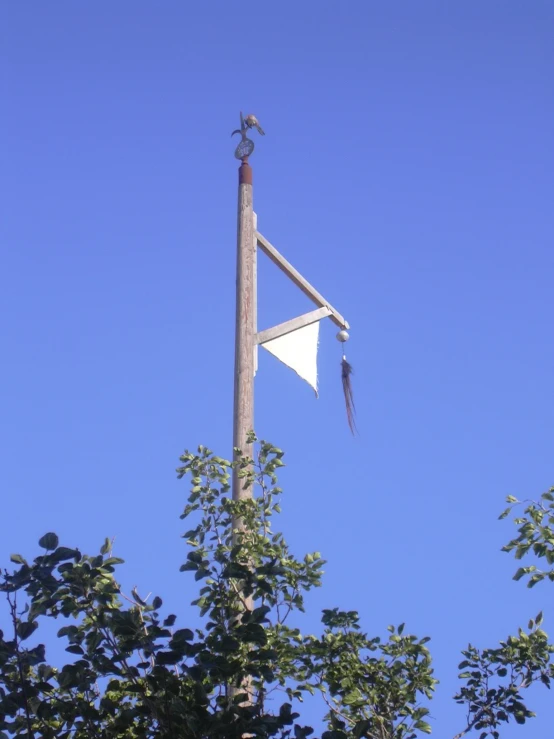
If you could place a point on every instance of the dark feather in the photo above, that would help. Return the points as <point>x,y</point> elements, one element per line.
<point>347,371</point>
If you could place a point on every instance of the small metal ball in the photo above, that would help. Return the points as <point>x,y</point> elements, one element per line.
<point>343,336</point>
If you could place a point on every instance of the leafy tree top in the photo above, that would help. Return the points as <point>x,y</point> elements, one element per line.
<point>134,672</point>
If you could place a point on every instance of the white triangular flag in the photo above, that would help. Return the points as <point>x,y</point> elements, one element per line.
<point>298,350</point>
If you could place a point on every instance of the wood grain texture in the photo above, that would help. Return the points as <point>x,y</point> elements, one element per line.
<point>243,414</point>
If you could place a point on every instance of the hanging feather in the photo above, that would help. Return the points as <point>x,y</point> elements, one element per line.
<point>347,371</point>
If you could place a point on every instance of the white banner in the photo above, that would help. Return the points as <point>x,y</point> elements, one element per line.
<point>298,350</point>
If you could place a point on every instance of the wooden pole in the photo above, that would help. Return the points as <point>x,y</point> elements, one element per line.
<point>245,327</point>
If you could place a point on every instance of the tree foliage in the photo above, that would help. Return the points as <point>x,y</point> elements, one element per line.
<point>132,671</point>
<point>536,536</point>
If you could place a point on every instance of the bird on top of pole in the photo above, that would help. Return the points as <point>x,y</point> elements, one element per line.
<point>252,122</point>
<point>249,121</point>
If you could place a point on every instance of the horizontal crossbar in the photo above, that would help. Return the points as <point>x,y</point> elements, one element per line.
<point>293,325</point>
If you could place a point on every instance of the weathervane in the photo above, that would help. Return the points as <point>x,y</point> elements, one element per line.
<point>246,146</point>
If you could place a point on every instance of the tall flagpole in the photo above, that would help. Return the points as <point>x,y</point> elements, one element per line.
<point>247,337</point>
<point>245,327</point>
<point>245,322</point>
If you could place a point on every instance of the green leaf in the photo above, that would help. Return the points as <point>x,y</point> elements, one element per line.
<point>26,628</point>
<point>109,561</point>
<point>188,566</point>
<point>352,697</point>
<point>106,546</point>
<point>361,728</point>
<point>423,726</point>
<point>64,553</point>
<point>70,631</point>
<point>534,580</point>
<point>259,615</point>
<point>75,649</point>
<point>182,635</point>
<point>18,559</point>
<point>94,639</point>
<point>137,598</point>
<point>48,541</point>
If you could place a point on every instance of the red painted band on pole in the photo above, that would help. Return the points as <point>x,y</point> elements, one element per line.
<point>245,174</point>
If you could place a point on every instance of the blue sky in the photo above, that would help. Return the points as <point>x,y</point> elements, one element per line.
<point>406,171</point>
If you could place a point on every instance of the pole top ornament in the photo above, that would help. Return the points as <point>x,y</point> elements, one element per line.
<point>246,145</point>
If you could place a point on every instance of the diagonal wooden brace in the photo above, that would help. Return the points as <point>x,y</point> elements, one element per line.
<point>300,282</point>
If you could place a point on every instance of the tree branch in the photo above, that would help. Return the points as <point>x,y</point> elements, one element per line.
<point>13,610</point>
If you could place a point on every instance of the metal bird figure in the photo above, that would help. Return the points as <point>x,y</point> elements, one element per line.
<point>252,122</point>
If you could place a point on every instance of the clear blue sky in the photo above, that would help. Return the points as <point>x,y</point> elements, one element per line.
<point>406,171</point>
